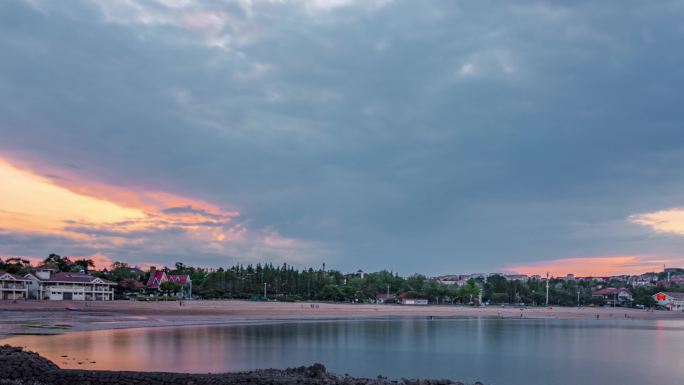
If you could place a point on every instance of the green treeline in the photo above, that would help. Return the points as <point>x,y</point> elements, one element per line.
<point>496,290</point>
<point>289,284</point>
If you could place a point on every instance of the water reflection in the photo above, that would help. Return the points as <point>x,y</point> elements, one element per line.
<point>494,351</point>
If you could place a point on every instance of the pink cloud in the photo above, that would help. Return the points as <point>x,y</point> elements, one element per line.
<point>596,266</point>
<point>101,261</point>
<point>164,222</point>
<point>276,240</point>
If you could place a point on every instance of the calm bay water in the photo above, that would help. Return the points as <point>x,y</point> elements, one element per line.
<point>506,352</point>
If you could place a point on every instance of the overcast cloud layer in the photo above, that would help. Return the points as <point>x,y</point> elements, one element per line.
<point>425,136</point>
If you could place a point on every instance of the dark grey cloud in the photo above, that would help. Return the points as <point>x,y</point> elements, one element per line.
<point>432,136</point>
<point>190,210</point>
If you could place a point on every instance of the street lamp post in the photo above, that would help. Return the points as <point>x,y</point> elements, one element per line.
<point>547,289</point>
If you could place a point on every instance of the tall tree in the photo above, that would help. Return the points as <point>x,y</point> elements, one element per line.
<point>120,271</point>
<point>16,265</point>
<point>169,287</point>
<point>62,263</point>
<point>84,264</point>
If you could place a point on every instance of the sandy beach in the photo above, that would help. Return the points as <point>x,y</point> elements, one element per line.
<point>37,317</point>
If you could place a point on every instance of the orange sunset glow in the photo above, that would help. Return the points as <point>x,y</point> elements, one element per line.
<point>598,266</point>
<point>29,203</point>
<point>663,221</point>
<point>100,260</point>
<point>33,204</point>
<point>107,218</point>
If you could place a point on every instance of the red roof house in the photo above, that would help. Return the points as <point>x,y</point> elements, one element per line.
<point>157,277</point>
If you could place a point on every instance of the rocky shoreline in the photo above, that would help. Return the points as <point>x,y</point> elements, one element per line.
<point>19,367</point>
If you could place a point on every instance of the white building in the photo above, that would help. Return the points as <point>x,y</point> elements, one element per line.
<point>414,301</point>
<point>670,300</point>
<point>46,284</point>
<point>13,286</point>
<point>448,280</point>
<point>517,277</point>
<point>453,279</point>
<point>406,300</point>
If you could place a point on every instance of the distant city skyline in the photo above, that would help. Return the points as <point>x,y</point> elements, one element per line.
<point>428,137</point>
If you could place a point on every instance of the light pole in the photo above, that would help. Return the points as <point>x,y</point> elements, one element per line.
<point>547,289</point>
<point>264,290</point>
<point>578,303</point>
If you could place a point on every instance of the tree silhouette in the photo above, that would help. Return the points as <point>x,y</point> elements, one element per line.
<point>16,265</point>
<point>84,264</point>
<point>62,263</point>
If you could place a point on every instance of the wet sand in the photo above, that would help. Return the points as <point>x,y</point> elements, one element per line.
<point>50,317</point>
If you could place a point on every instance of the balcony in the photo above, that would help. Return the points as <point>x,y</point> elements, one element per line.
<point>12,286</point>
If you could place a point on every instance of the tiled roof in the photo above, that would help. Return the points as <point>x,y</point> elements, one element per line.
<point>47,266</point>
<point>675,295</point>
<point>160,277</point>
<point>407,296</point>
<point>155,279</point>
<point>75,278</point>
<point>182,279</point>
<point>609,291</point>
<point>16,277</point>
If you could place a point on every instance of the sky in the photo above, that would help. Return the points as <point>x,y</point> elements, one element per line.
<point>433,137</point>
